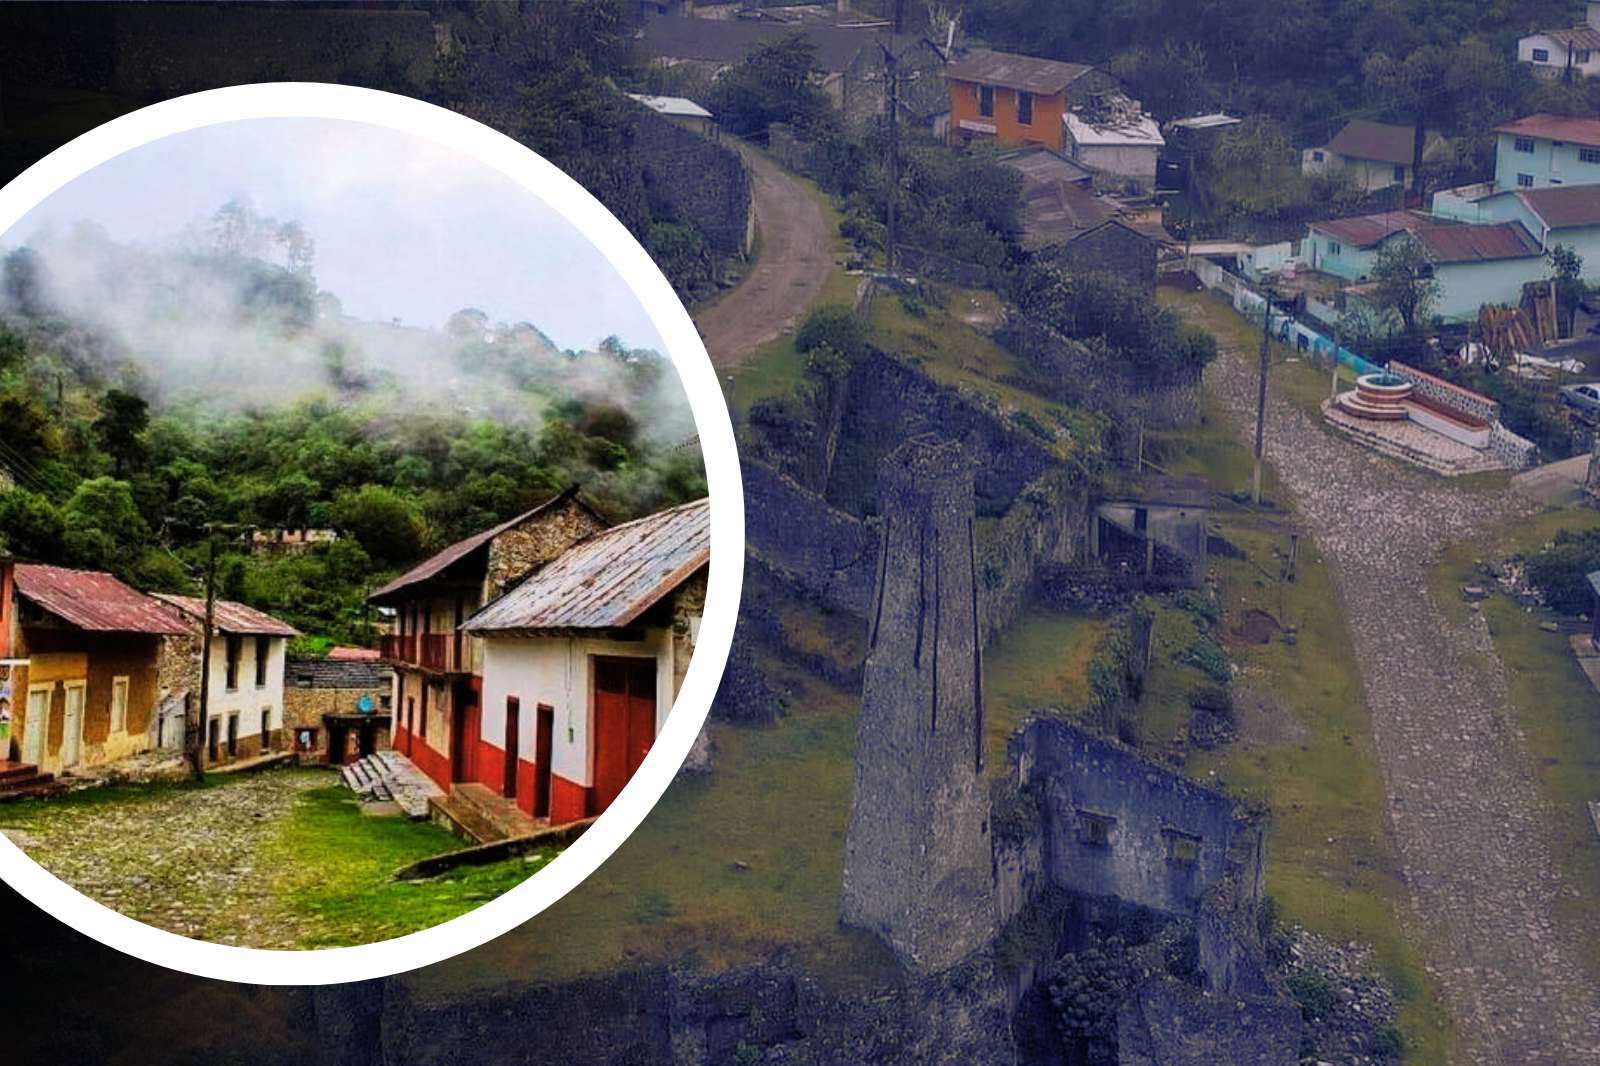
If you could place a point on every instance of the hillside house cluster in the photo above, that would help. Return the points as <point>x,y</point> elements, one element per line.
<point>540,658</point>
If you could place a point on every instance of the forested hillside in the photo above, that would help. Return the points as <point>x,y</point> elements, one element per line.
<point>152,399</point>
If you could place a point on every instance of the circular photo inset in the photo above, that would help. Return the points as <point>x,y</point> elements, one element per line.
<point>363,580</point>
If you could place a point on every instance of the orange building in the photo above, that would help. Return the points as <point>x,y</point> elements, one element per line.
<point>1014,99</point>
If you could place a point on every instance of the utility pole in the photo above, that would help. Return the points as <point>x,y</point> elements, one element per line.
<point>197,739</point>
<point>1261,393</point>
<point>891,68</point>
<point>1338,346</point>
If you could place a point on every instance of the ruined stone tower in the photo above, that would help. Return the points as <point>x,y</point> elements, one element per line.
<point>918,868</point>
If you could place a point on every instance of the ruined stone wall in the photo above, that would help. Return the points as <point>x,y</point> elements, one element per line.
<point>890,402</point>
<point>1046,524</point>
<point>829,555</point>
<point>918,860</point>
<point>517,552</point>
<point>1118,825</point>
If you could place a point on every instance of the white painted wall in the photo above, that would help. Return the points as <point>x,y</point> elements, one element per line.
<point>248,701</point>
<point>1556,61</point>
<point>557,671</point>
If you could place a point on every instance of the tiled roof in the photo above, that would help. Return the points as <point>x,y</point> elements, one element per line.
<point>1028,73</point>
<point>1057,204</point>
<point>230,617</point>
<point>608,580</point>
<point>95,601</point>
<point>337,673</point>
<point>461,549</point>
<point>1584,131</point>
<point>1363,231</point>
<point>1561,206</point>
<point>349,653</point>
<point>730,40</point>
<point>1364,139</point>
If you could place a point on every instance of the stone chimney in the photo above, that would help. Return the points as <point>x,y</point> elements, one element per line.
<point>918,866</point>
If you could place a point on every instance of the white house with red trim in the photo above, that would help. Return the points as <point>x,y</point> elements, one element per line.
<point>582,662</point>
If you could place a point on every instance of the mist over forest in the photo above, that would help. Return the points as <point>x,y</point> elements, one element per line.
<point>148,392</point>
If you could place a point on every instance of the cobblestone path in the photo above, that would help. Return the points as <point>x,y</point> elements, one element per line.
<point>181,860</point>
<point>1469,822</point>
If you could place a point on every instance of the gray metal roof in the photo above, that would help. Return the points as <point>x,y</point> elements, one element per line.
<point>1009,70</point>
<point>230,617</point>
<point>608,580</point>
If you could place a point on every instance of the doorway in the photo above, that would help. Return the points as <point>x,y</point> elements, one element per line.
<point>625,722</point>
<point>543,752</point>
<point>37,726</point>
<point>513,731</point>
<point>465,727</point>
<point>72,726</point>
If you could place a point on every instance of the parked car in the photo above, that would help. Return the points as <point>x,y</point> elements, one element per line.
<point>1584,398</point>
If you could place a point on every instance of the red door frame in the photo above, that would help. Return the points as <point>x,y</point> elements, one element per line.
<point>623,720</point>
<point>544,753</point>
<point>513,737</point>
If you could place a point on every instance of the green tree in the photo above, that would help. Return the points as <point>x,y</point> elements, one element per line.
<point>120,429</point>
<point>1566,270</point>
<point>381,521</point>
<point>775,83</point>
<point>30,525</point>
<point>1405,282</point>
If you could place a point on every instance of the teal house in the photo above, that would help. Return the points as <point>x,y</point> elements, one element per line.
<point>1567,215</point>
<point>1541,151</point>
<point>1474,263</point>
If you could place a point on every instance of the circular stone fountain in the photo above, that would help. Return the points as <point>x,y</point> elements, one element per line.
<point>1381,397</point>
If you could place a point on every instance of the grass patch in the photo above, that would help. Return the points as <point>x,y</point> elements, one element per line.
<point>1553,703</point>
<point>727,869</point>
<point>338,864</point>
<point>1040,663</point>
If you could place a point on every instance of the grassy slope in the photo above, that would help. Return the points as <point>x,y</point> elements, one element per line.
<point>1040,661</point>
<point>1331,862</point>
<point>337,864</point>
<point>1552,702</point>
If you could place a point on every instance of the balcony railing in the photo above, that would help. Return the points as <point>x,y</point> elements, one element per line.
<point>431,651</point>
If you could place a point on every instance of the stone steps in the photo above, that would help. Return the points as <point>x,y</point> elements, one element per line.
<point>1450,459</point>
<point>389,777</point>
<point>478,813</point>
<point>20,780</point>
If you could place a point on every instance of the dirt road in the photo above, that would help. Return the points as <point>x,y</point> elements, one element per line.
<point>792,262</point>
<point>1470,825</point>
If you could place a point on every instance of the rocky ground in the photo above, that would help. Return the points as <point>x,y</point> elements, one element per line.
<point>177,859</point>
<point>1469,822</point>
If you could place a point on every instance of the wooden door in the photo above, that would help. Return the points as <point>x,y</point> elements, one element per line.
<point>625,722</point>
<point>465,726</point>
<point>513,734</point>
<point>37,726</point>
<point>72,726</point>
<point>544,752</point>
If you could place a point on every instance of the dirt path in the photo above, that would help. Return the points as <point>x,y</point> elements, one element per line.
<point>793,261</point>
<point>1470,825</point>
<point>179,860</point>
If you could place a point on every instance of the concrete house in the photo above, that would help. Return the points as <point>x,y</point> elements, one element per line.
<point>1017,100</point>
<point>438,668</point>
<point>1542,150</point>
<point>83,650</point>
<point>244,712</point>
<point>583,660</point>
<point>1112,135</point>
<point>1374,155</point>
<point>1567,215</point>
<point>1474,264</point>
<point>1552,53</point>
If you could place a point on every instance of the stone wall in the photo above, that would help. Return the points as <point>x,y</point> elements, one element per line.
<point>1452,397</point>
<point>1113,249</point>
<point>1116,824</point>
<point>520,550</point>
<point>918,860</point>
<point>829,555</point>
<point>1515,451</point>
<point>692,179</point>
<point>1046,524</point>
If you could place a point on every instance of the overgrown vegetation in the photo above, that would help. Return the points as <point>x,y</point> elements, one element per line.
<point>168,400</point>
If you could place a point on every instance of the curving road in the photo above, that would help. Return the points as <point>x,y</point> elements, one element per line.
<point>792,262</point>
<point>1470,824</point>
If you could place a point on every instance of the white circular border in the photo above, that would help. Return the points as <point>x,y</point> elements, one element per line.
<point>683,343</point>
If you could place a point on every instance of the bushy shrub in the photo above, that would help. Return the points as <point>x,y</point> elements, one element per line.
<point>1208,655</point>
<point>1561,570</point>
<point>1314,993</point>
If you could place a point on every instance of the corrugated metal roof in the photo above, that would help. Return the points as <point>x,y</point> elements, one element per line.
<point>730,40</point>
<point>437,564</point>
<point>1056,206</point>
<point>1564,205</point>
<point>1445,242</point>
<point>1555,128</point>
<point>1579,37</point>
<point>676,106</point>
<point>1364,139</point>
<point>228,616</point>
<point>1139,132</point>
<point>608,580</point>
<point>96,601</point>
<point>1009,70</point>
